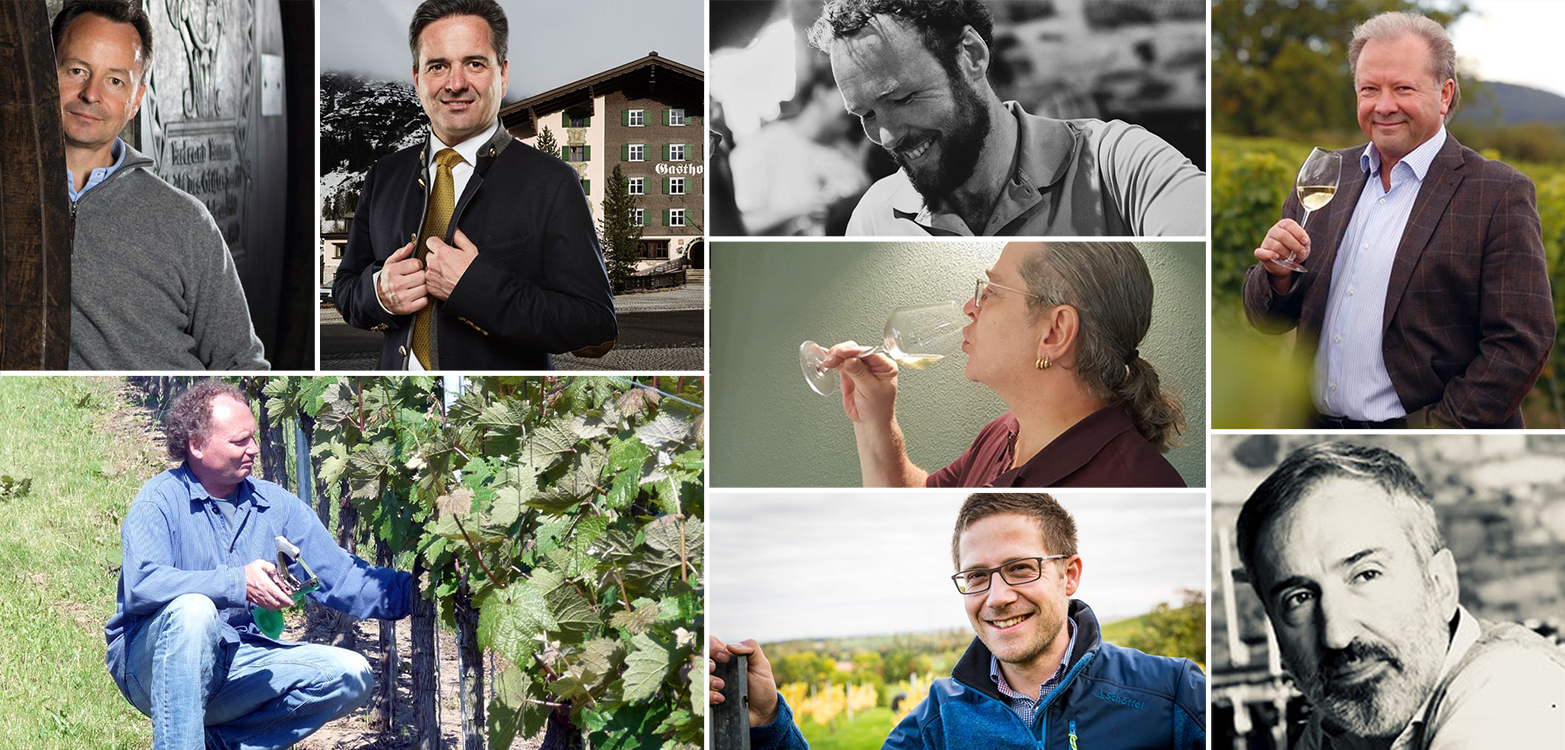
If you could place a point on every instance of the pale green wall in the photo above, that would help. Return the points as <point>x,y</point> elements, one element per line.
<point>770,430</point>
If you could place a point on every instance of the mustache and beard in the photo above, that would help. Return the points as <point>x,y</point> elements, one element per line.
<point>959,147</point>
<point>1382,704</point>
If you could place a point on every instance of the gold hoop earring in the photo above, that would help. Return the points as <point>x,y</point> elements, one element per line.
<point>1042,363</point>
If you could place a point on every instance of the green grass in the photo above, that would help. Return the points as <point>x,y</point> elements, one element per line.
<point>868,730</point>
<point>59,562</point>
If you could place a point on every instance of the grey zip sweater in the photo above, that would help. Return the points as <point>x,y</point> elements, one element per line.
<point>153,286</point>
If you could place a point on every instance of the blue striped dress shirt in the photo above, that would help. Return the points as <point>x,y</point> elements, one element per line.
<point>1350,368</point>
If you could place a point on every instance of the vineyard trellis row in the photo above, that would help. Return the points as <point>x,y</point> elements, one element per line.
<point>554,523</point>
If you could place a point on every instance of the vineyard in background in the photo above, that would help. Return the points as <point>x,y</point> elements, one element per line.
<point>849,693</point>
<point>1251,177</point>
<point>554,525</point>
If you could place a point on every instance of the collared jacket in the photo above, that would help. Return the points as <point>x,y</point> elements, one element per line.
<point>1112,698</point>
<point>1069,178</point>
<point>175,541</point>
<point>1468,320</point>
<point>537,287</point>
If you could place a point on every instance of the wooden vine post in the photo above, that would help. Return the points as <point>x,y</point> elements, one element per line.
<point>35,214</point>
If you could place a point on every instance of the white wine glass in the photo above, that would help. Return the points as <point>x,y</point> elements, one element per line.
<point>916,337</point>
<point>1316,186</point>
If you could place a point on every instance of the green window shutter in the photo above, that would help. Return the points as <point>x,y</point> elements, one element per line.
<point>696,181</point>
<point>565,119</point>
<point>665,217</point>
<point>624,118</point>
<point>665,186</point>
<point>624,152</point>
<point>588,122</point>
<point>586,153</point>
<point>586,187</point>
<point>665,116</point>
<point>665,152</point>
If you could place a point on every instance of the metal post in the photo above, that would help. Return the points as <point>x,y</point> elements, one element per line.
<point>731,718</point>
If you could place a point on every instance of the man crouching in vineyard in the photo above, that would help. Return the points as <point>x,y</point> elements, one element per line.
<point>1038,674</point>
<point>183,647</point>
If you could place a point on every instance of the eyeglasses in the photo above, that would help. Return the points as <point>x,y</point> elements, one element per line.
<point>1014,572</point>
<point>979,292</point>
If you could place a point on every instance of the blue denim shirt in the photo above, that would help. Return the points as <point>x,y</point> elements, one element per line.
<point>176,542</point>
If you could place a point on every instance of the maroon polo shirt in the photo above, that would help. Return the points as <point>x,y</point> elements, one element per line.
<point>1103,450</point>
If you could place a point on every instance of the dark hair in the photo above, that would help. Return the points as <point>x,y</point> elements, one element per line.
<point>1055,524</point>
<point>1109,285</point>
<point>939,23</point>
<point>118,11</point>
<point>190,415</point>
<point>431,11</point>
<point>1307,466</point>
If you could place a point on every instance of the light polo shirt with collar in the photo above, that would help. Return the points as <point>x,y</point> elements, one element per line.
<point>460,174</point>
<point>1068,178</point>
<point>1350,377</point>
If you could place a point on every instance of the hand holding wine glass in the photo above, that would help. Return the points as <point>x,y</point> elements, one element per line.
<point>915,337</point>
<point>1316,185</point>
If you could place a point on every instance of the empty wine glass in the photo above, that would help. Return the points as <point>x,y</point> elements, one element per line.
<point>1316,186</point>
<point>916,337</point>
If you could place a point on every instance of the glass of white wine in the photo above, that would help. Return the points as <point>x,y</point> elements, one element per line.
<point>1316,186</point>
<point>916,337</point>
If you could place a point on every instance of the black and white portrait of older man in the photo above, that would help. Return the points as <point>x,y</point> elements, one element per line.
<point>1390,573</point>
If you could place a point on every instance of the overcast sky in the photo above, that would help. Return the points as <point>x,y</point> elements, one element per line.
<point>1510,40</point>
<point>551,43</point>
<point>776,561</point>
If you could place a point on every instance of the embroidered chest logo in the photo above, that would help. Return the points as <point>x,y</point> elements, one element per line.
<point>1122,700</point>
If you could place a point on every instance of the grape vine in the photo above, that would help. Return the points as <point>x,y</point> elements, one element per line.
<point>555,522</point>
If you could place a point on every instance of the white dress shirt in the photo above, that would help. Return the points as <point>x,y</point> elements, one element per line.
<point>1350,378</point>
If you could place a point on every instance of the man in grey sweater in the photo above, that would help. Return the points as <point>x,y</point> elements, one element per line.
<point>153,286</point>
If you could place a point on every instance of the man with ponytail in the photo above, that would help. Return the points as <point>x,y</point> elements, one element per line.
<point>1054,333</point>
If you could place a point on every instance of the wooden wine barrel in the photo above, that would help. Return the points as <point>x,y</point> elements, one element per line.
<point>35,215</point>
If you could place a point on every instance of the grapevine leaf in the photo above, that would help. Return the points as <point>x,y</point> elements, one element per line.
<point>550,445</point>
<point>507,705</point>
<point>637,620</point>
<point>595,423</point>
<point>458,502</point>
<point>663,432</point>
<point>624,490</point>
<point>645,668</point>
<point>556,499</point>
<point>631,728</point>
<point>599,656</point>
<point>682,608</point>
<point>507,507</point>
<point>511,618</point>
<point>331,469</point>
<point>697,692</point>
<point>572,613</point>
<point>627,456</point>
<point>637,400</point>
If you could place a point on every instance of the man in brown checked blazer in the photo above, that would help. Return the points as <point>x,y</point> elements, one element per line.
<point>1428,303</point>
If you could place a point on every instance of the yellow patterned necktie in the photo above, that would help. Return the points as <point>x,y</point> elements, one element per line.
<point>442,203</point>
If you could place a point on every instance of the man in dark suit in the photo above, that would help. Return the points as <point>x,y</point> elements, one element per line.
<point>1428,303</point>
<point>473,251</point>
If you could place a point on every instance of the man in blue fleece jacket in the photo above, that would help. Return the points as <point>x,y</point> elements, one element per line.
<point>1038,675</point>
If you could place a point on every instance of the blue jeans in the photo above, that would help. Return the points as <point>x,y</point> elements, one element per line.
<point>270,696</point>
